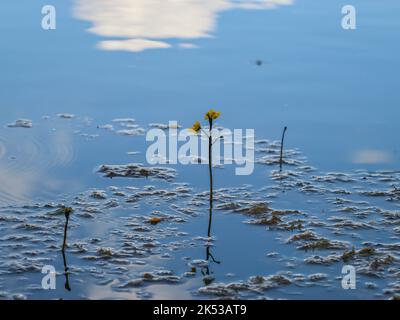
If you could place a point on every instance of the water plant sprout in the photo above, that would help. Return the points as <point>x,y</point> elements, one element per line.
<point>67,212</point>
<point>281,157</point>
<point>210,116</point>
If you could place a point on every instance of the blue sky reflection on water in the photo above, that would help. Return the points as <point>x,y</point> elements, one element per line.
<point>317,77</point>
<point>155,61</point>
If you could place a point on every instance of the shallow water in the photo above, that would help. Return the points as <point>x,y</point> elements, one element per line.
<point>275,235</point>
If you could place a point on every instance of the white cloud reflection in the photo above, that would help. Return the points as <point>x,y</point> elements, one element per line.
<point>26,164</point>
<point>133,45</point>
<point>370,156</point>
<point>137,25</point>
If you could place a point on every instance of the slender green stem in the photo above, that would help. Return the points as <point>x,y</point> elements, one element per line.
<point>65,231</point>
<point>210,255</point>
<point>66,270</point>
<point>281,158</point>
<point>211,177</point>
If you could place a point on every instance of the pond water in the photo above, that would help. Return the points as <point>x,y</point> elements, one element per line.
<point>84,95</point>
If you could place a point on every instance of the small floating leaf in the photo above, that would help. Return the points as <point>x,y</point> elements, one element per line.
<point>155,220</point>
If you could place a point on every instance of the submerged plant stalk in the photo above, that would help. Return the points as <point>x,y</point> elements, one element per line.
<point>211,177</point>
<point>67,213</point>
<point>66,271</point>
<point>281,157</point>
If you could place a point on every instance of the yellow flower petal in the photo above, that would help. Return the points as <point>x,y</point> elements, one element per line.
<point>196,127</point>
<point>212,115</point>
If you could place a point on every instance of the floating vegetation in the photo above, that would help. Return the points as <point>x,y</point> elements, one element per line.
<point>131,132</point>
<point>124,127</point>
<point>99,194</point>
<point>66,116</point>
<point>380,262</point>
<point>347,255</point>
<point>317,277</point>
<point>121,236</point>
<point>134,170</point>
<point>155,220</point>
<point>327,260</point>
<point>334,177</point>
<point>304,236</point>
<point>21,123</point>
<point>350,224</point>
<point>159,276</point>
<point>135,239</point>
<point>322,244</point>
<point>109,127</point>
<point>275,159</point>
<point>391,194</point>
<point>254,208</point>
<point>366,252</point>
<point>254,285</point>
<point>273,221</point>
<point>163,126</point>
<point>124,121</point>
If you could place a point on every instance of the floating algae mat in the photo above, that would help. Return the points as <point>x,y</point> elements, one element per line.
<point>139,232</point>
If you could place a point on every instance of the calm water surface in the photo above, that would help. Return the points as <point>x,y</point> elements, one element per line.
<point>336,90</point>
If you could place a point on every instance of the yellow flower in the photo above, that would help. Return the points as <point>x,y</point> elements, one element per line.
<point>212,115</point>
<point>196,127</point>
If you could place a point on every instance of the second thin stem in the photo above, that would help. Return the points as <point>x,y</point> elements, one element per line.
<point>211,177</point>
